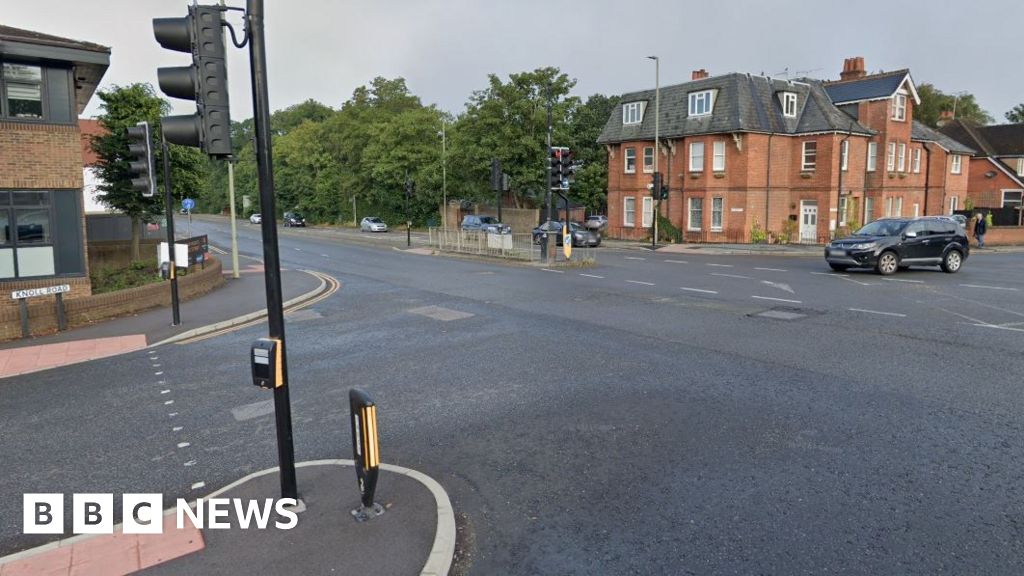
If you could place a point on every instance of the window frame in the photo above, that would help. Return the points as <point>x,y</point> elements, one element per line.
<point>789,99</point>
<point>1020,166</point>
<point>843,205</point>
<point>844,156</point>
<point>869,209</point>
<point>1020,198</point>
<point>890,158</point>
<point>700,166</point>
<point>703,99</point>
<point>629,153</point>
<point>715,155</point>
<point>690,203</point>
<point>5,113</point>
<point>954,203</point>
<point>631,110</point>
<point>899,107</point>
<point>629,214</point>
<point>917,161</point>
<point>718,210</point>
<point>11,209</point>
<point>901,158</point>
<point>804,165</point>
<point>648,168</point>
<point>956,164</point>
<point>872,163</point>
<point>647,212</point>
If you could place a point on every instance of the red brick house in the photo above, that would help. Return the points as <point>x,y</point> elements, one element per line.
<point>796,158</point>
<point>45,83</point>
<point>997,171</point>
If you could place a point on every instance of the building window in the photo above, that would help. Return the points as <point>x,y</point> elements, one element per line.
<point>701,103</point>
<point>629,211</point>
<point>954,203</point>
<point>648,215</point>
<point>1012,198</point>
<point>718,156</point>
<point>917,160</point>
<point>696,156</point>
<point>899,107</point>
<point>26,234</point>
<point>630,158</point>
<point>957,159</point>
<point>633,113</point>
<point>869,209</point>
<point>890,161</point>
<point>717,207</point>
<point>842,210</point>
<point>810,155</point>
<point>917,209</point>
<point>902,163</point>
<point>844,157</point>
<point>872,156</point>
<point>789,104</point>
<point>22,89</point>
<point>1020,166</point>
<point>898,206</point>
<point>648,159</point>
<point>696,207</point>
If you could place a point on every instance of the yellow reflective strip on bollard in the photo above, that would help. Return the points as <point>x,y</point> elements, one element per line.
<point>279,364</point>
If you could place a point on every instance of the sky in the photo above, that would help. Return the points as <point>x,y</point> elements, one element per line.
<point>325,49</point>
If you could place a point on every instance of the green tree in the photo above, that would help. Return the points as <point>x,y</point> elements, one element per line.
<point>125,106</point>
<point>934,102</point>
<point>1016,114</point>
<point>591,187</point>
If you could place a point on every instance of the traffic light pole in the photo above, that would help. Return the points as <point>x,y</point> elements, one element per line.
<point>549,243</point>
<point>172,267</point>
<point>271,257</point>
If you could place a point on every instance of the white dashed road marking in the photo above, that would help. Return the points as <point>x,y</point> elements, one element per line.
<point>772,269</point>
<point>903,280</point>
<point>639,282</point>
<point>698,290</point>
<point>183,444</point>
<point>830,274</point>
<point>172,414</point>
<point>778,299</point>
<point>158,373</point>
<point>999,327</point>
<point>635,258</point>
<point>190,463</point>
<point>720,265</point>
<point>198,485</point>
<point>987,287</point>
<point>177,429</point>
<point>169,402</point>
<point>877,312</point>
<point>550,270</point>
<point>591,276</point>
<point>677,261</point>
<point>732,276</point>
<point>165,391</point>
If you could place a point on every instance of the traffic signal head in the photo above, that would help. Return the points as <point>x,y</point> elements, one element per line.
<point>205,81</point>
<point>568,171</point>
<point>555,171</point>
<point>140,155</point>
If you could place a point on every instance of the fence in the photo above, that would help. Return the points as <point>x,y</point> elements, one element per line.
<point>510,246</point>
<point>1008,216</point>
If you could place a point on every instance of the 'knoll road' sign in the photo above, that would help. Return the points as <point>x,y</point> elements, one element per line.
<point>33,292</point>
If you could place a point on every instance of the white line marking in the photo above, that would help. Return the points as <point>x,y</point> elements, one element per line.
<point>190,463</point>
<point>830,274</point>
<point>183,444</point>
<point>298,249</point>
<point>154,357</point>
<point>555,271</point>
<point>999,327</point>
<point>720,265</point>
<point>639,282</point>
<point>591,276</point>
<point>177,428</point>
<point>677,261</point>
<point>777,299</point>
<point>325,255</point>
<point>698,290</point>
<point>903,280</point>
<point>988,287</point>
<point>779,285</point>
<point>156,365</point>
<point>158,373</point>
<point>772,269</point>
<point>844,277</point>
<point>877,312</point>
<point>635,258</point>
<point>198,485</point>
<point>169,402</point>
<point>165,391</point>
<point>161,381</point>
<point>172,414</point>
<point>732,276</point>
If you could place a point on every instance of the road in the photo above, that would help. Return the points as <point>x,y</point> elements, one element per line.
<point>653,414</point>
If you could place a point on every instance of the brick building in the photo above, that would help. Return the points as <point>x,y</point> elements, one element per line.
<point>997,171</point>
<point>45,82</point>
<point>794,158</point>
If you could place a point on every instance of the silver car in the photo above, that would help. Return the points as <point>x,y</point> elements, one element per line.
<point>256,218</point>
<point>372,224</point>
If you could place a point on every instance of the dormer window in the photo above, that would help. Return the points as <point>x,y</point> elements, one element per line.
<point>701,103</point>
<point>789,104</point>
<point>633,113</point>
<point>899,107</point>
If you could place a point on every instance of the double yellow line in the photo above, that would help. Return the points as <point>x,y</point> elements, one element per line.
<point>332,286</point>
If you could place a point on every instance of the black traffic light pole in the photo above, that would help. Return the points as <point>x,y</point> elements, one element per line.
<point>172,267</point>
<point>271,258</point>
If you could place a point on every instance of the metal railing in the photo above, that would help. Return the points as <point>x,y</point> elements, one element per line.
<point>511,246</point>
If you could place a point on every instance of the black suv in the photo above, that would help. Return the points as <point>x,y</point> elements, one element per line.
<point>294,219</point>
<point>890,244</point>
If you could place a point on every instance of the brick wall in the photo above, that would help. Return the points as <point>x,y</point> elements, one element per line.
<point>40,156</point>
<point>986,192</point>
<point>98,307</point>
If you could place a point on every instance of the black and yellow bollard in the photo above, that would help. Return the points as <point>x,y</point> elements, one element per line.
<point>366,452</point>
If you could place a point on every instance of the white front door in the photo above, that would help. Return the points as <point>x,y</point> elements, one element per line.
<point>809,221</point>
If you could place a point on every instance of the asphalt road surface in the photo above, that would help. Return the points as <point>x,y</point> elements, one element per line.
<point>653,414</point>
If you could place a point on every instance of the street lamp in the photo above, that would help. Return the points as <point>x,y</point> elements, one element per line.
<point>656,194</point>
<point>444,176</point>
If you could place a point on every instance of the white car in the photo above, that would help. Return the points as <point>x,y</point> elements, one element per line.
<point>256,218</point>
<point>373,224</point>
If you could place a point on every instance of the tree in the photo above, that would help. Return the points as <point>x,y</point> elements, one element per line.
<point>934,102</point>
<point>125,106</point>
<point>1016,114</point>
<point>591,186</point>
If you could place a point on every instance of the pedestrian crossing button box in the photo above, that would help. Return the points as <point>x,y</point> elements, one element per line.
<point>266,363</point>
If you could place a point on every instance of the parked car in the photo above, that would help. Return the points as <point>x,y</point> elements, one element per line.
<point>488,224</point>
<point>372,224</point>
<point>294,219</point>
<point>960,219</point>
<point>890,244</point>
<point>256,218</point>
<point>580,236</point>
<point>596,222</point>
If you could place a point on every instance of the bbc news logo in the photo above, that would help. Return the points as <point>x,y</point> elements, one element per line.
<point>144,514</point>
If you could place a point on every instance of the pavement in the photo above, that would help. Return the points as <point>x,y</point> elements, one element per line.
<point>414,535</point>
<point>237,302</point>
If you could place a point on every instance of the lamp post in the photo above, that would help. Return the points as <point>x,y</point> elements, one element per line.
<point>656,194</point>
<point>444,176</point>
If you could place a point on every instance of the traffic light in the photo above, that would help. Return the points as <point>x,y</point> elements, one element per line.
<point>555,174</point>
<point>568,171</point>
<point>561,167</point>
<point>205,81</point>
<point>140,153</point>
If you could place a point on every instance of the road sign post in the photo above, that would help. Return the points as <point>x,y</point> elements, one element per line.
<point>365,452</point>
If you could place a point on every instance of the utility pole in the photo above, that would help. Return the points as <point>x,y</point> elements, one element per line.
<point>549,245</point>
<point>172,267</point>
<point>444,176</point>
<point>656,194</point>
<point>271,256</point>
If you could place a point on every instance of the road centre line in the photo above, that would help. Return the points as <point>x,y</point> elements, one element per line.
<point>999,327</point>
<point>988,287</point>
<point>555,271</point>
<point>635,258</point>
<point>732,276</point>
<point>772,269</point>
<point>904,280</point>
<point>677,261</point>
<point>639,282</point>
<point>877,312</point>
<point>830,274</point>
<point>698,290</point>
<point>592,276</point>
<point>184,444</point>
<point>719,265</point>
<point>778,299</point>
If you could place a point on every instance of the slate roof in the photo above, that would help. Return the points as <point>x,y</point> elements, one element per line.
<point>743,103</point>
<point>872,87</point>
<point>10,34</point>
<point>998,140</point>
<point>922,133</point>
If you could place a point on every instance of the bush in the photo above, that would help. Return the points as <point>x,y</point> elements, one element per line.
<point>667,231</point>
<point>758,235</point>
<point>111,279</point>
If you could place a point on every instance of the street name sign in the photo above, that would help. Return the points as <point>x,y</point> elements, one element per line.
<point>33,292</point>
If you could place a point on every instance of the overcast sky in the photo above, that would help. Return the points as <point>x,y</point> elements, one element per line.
<point>324,49</point>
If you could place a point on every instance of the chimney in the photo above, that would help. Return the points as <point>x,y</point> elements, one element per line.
<point>853,68</point>
<point>698,74</point>
<point>945,117</point>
